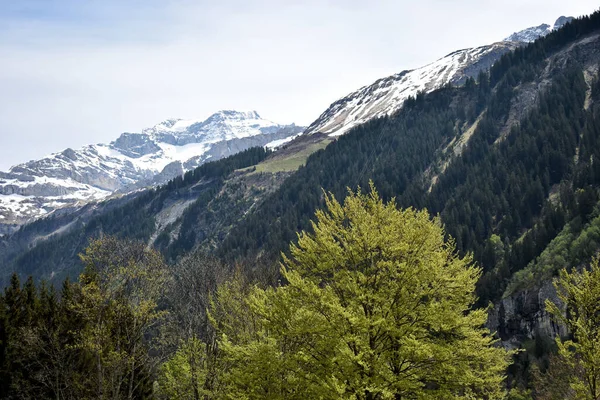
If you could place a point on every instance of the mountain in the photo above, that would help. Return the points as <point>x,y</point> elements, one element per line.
<point>507,162</point>
<point>386,95</point>
<point>491,157</point>
<point>72,178</point>
<point>136,160</point>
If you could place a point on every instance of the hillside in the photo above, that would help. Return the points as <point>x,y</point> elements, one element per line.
<point>506,161</point>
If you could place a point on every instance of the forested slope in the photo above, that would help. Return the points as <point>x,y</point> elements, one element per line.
<point>531,131</point>
<point>505,159</point>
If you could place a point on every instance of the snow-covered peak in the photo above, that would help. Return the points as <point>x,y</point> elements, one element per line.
<point>172,125</point>
<point>235,115</point>
<point>532,34</point>
<point>222,125</point>
<point>38,187</point>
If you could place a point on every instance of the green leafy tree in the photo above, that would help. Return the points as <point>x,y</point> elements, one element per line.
<point>184,374</point>
<point>377,306</point>
<point>580,292</point>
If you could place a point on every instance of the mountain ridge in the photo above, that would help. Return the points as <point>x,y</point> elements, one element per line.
<point>533,33</point>
<point>73,177</point>
<point>386,95</point>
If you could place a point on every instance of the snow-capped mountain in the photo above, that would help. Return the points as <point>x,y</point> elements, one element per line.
<point>387,95</point>
<point>531,34</point>
<point>73,177</point>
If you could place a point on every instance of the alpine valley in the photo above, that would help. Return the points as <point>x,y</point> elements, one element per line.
<point>501,142</point>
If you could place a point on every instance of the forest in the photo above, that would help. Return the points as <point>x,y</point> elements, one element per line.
<point>375,304</point>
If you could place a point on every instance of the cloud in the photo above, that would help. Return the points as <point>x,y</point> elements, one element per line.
<point>82,72</point>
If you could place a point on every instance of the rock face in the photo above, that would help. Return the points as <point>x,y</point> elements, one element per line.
<point>74,177</point>
<point>387,95</point>
<point>523,316</point>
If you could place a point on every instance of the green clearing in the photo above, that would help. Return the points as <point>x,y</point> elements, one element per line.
<point>290,162</point>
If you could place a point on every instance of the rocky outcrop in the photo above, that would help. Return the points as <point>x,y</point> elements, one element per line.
<point>531,34</point>
<point>135,145</point>
<point>523,316</point>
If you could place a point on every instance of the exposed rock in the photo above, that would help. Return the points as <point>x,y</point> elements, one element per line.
<point>523,315</point>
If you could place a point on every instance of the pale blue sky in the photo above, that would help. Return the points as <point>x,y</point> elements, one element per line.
<point>74,72</point>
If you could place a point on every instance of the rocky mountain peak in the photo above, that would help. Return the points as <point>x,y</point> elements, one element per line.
<point>529,35</point>
<point>151,157</point>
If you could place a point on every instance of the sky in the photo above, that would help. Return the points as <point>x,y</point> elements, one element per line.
<point>76,72</point>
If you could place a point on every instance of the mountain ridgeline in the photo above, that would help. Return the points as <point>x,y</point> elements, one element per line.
<point>506,159</point>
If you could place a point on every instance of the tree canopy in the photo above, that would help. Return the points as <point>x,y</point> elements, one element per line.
<point>376,305</point>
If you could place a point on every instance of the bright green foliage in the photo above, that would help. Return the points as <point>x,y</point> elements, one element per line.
<point>182,377</point>
<point>377,305</point>
<point>580,292</point>
<point>575,244</point>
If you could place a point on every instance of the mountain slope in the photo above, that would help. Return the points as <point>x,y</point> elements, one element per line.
<point>487,156</point>
<point>490,158</point>
<point>74,177</point>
